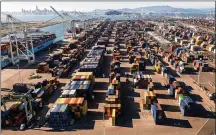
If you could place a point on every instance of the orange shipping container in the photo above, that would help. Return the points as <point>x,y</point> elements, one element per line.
<point>67,100</point>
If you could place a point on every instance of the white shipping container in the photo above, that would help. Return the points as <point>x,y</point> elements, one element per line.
<point>72,93</point>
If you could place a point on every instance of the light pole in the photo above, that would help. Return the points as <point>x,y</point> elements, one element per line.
<point>199,77</point>
<point>103,119</point>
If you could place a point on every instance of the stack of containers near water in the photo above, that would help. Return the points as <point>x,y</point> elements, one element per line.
<point>186,105</point>
<point>178,92</point>
<point>81,84</point>
<point>93,62</point>
<point>169,58</point>
<point>83,88</point>
<point>90,68</point>
<point>175,63</point>
<point>169,78</point>
<point>114,75</point>
<point>163,71</point>
<point>177,51</point>
<point>171,61</point>
<point>150,86</point>
<point>140,80</point>
<point>158,67</point>
<point>142,65</point>
<point>180,68</point>
<point>116,83</point>
<point>137,76</point>
<point>115,66</point>
<point>166,55</point>
<point>131,59</point>
<point>152,59</point>
<point>171,90</point>
<point>157,113</point>
<point>109,111</point>
<point>47,86</point>
<point>66,93</point>
<point>116,56</point>
<point>60,116</point>
<point>149,99</point>
<point>113,104</point>
<point>83,76</point>
<point>175,84</point>
<point>112,95</point>
<point>77,106</point>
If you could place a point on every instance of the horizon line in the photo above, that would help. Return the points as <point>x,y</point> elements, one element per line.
<point>117,8</point>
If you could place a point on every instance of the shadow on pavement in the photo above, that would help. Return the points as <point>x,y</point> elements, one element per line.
<point>163,96</point>
<point>170,108</point>
<point>176,123</point>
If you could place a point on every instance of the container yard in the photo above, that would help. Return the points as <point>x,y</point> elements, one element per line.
<point>122,77</point>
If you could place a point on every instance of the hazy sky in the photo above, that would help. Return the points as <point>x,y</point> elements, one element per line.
<point>89,6</point>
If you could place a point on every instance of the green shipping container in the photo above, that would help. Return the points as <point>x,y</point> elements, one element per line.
<point>180,97</point>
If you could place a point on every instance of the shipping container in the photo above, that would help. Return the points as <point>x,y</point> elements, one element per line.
<point>157,113</point>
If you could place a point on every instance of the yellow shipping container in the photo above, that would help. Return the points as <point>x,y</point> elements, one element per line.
<point>60,101</point>
<point>84,73</point>
<point>114,113</point>
<point>113,121</point>
<point>198,42</point>
<point>84,111</point>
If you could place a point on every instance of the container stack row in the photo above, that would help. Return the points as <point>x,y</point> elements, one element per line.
<point>113,103</point>
<point>93,61</point>
<point>141,81</point>
<point>77,106</point>
<point>79,89</point>
<point>149,99</point>
<point>59,116</point>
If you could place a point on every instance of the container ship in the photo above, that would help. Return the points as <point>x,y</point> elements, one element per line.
<point>40,40</point>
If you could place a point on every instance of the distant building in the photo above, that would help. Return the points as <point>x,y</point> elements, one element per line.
<point>37,11</point>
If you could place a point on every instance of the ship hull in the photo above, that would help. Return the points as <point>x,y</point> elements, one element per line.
<point>5,64</point>
<point>43,46</point>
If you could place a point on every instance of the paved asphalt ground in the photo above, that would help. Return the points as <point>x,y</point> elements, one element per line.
<point>134,120</point>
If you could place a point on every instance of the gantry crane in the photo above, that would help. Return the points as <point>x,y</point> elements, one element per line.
<point>24,98</point>
<point>72,25</point>
<point>27,51</point>
<point>66,18</point>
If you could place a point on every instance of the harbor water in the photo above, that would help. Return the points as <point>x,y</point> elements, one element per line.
<point>59,29</point>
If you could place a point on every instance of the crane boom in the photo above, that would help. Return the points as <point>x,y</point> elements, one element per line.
<point>57,12</point>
